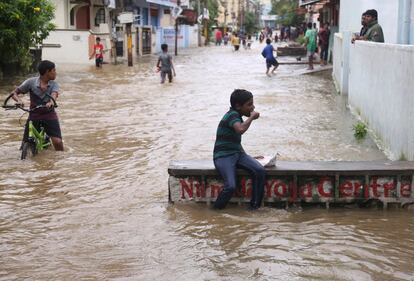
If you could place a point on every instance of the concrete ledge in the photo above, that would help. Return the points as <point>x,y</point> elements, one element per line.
<point>206,167</point>
<point>291,51</point>
<point>329,182</point>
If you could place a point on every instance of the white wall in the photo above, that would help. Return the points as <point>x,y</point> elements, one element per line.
<point>381,89</point>
<point>351,11</point>
<point>187,37</point>
<point>61,13</point>
<point>193,34</point>
<point>74,47</point>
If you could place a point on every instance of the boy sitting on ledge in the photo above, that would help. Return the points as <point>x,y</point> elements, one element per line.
<point>229,154</point>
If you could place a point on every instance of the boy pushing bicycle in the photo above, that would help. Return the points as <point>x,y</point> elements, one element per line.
<point>40,88</point>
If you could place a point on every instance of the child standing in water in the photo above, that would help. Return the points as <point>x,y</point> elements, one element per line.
<point>98,50</point>
<point>229,154</point>
<point>235,41</point>
<point>270,58</point>
<point>165,64</point>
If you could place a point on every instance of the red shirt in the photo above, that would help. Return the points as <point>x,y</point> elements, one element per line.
<point>98,50</point>
<point>218,34</point>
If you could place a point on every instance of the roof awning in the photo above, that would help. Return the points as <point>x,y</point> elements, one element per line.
<point>168,3</point>
<point>308,2</point>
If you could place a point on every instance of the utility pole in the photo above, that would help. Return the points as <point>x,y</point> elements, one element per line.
<point>225,18</point>
<point>205,23</point>
<point>238,14</point>
<point>199,25</point>
<point>122,10</point>
<point>241,15</point>
<point>129,43</point>
<point>176,29</point>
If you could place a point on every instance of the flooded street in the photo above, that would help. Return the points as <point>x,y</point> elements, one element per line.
<point>99,211</point>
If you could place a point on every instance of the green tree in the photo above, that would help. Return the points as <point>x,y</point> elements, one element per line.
<point>23,24</point>
<point>250,22</point>
<point>213,10</point>
<point>286,10</point>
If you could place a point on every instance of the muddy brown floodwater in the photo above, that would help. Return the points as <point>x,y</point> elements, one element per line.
<point>99,210</point>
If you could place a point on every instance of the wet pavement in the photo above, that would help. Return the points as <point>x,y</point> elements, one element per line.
<point>99,210</point>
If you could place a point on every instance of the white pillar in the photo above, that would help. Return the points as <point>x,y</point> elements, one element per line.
<point>346,44</point>
<point>404,21</point>
<point>412,23</point>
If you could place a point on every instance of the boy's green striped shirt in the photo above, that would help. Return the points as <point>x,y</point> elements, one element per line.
<point>228,141</point>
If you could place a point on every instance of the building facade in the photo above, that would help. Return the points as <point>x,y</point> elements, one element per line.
<point>79,22</point>
<point>233,12</point>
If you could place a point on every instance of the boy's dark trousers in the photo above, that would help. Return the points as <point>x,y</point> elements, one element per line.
<point>227,166</point>
<point>166,73</point>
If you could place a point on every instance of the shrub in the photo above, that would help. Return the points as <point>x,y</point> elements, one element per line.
<point>360,130</point>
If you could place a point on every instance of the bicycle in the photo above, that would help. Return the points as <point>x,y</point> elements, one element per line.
<point>37,139</point>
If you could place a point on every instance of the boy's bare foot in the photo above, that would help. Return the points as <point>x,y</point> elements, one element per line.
<point>268,75</point>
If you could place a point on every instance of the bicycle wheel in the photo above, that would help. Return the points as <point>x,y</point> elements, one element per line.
<point>33,148</point>
<point>26,147</point>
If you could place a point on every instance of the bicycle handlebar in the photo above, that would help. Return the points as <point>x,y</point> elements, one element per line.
<point>19,106</point>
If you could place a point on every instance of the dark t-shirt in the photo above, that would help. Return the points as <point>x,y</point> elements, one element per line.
<point>165,59</point>
<point>228,141</point>
<point>38,97</point>
<point>324,37</point>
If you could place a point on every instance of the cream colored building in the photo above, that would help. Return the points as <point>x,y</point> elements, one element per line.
<point>232,12</point>
<point>229,13</point>
<point>81,14</point>
<point>78,22</point>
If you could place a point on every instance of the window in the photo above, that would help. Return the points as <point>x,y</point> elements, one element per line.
<point>137,20</point>
<point>154,12</point>
<point>137,16</point>
<point>100,16</point>
<point>145,16</point>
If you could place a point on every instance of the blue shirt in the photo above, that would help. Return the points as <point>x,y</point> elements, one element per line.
<point>268,52</point>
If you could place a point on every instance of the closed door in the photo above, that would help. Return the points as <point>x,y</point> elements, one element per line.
<point>146,41</point>
<point>82,18</point>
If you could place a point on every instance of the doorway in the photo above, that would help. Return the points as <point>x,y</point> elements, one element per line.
<point>146,41</point>
<point>82,18</point>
